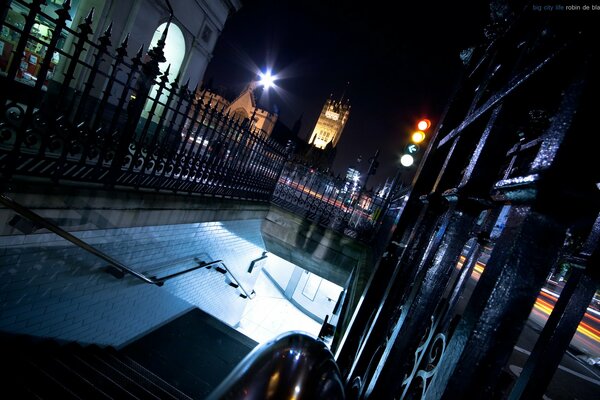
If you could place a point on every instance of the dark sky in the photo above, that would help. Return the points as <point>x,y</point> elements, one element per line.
<point>402,63</point>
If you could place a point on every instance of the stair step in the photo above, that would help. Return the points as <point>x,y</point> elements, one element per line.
<point>95,377</point>
<point>43,385</point>
<point>45,369</point>
<point>136,384</point>
<point>69,377</point>
<point>169,390</point>
<point>33,371</point>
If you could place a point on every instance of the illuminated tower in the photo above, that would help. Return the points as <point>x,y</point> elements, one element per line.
<point>331,123</point>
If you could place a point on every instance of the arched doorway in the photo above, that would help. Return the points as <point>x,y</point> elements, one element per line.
<point>174,51</point>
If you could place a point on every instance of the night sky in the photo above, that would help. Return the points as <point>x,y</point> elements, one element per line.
<point>402,64</point>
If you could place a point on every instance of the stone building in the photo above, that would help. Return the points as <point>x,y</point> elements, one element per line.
<point>244,106</point>
<point>331,123</point>
<point>192,35</point>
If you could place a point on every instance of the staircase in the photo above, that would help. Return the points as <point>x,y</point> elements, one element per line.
<point>49,370</point>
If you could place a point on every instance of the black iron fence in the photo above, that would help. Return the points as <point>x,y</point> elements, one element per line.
<point>333,202</point>
<point>74,109</point>
<point>77,110</point>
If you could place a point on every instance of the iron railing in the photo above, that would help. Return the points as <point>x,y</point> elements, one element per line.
<point>330,201</point>
<point>87,113</point>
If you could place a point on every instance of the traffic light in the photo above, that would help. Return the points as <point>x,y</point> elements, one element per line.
<point>418,136</point>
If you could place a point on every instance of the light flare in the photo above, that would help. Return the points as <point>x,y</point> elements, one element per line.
<point>267,80</point>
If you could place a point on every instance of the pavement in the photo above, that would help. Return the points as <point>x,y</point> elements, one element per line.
<point>574,379</point>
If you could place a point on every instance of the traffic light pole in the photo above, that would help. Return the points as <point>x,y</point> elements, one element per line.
<point>407,159</point>
<point>390,194</point>
<point>371,171</point>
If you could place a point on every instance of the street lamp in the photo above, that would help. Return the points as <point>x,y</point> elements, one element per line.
<point>267,80</point>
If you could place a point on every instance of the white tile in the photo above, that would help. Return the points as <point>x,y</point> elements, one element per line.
<point>270,314</point>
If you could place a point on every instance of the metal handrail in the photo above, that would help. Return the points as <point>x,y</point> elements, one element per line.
<point>201,264</point>
<point>45,223</point>
<point>291,366</point>
<point>249,295</point>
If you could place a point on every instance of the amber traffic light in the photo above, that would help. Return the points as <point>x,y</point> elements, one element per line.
<point>416,137</point>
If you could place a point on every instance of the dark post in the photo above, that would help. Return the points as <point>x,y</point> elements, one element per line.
<point>136,62</point>
<point>427,292</point>
<point>150,71</point>
<point>105,42</point>
<point>121,53</point>
<point>85,29</point>
<point>563,322</point>
<point>483,340</point>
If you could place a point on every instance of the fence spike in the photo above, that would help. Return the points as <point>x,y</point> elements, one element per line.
<point>108,30</point>
<point>105,38</point>
<point>90,17</point>
<point>122,50</point>
<point>177,78</point>
<point>140,52</point>
<point>125,41</point>
<point>167,71</point>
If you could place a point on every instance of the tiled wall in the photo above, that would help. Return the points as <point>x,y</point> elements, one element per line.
<point>291,280</point>
<point>51,288</point>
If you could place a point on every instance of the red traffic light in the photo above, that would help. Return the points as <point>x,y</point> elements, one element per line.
<point>423,124</point>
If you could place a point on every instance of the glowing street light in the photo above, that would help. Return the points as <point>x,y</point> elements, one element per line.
<point>266,79</point>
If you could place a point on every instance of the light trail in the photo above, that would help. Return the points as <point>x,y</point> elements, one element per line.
<point>545,307</point>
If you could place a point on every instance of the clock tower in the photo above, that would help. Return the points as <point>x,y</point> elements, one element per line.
<point>330,124</point>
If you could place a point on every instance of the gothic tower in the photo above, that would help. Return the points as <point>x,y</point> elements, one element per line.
<point>331,123</point>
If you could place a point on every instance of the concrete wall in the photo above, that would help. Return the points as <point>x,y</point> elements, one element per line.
<point>291,281</point>
<point>77,209</point>
<point>50,288</point>
<point>323,252</point>
<point>54,289</point>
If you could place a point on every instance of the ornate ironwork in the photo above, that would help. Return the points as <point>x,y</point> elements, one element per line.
<point>328,200</point>
<point>426,360</point>
<point>116,122</point>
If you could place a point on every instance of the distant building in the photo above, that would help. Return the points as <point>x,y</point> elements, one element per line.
<point>352,180</point>
<point>330,124</point>
<point>321,149</point>
<point>213,99</point>
<point>244,106</point>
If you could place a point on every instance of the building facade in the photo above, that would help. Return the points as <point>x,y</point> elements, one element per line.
<point>193,31</point>
<point>244,106</point>
<point>330,124</point>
